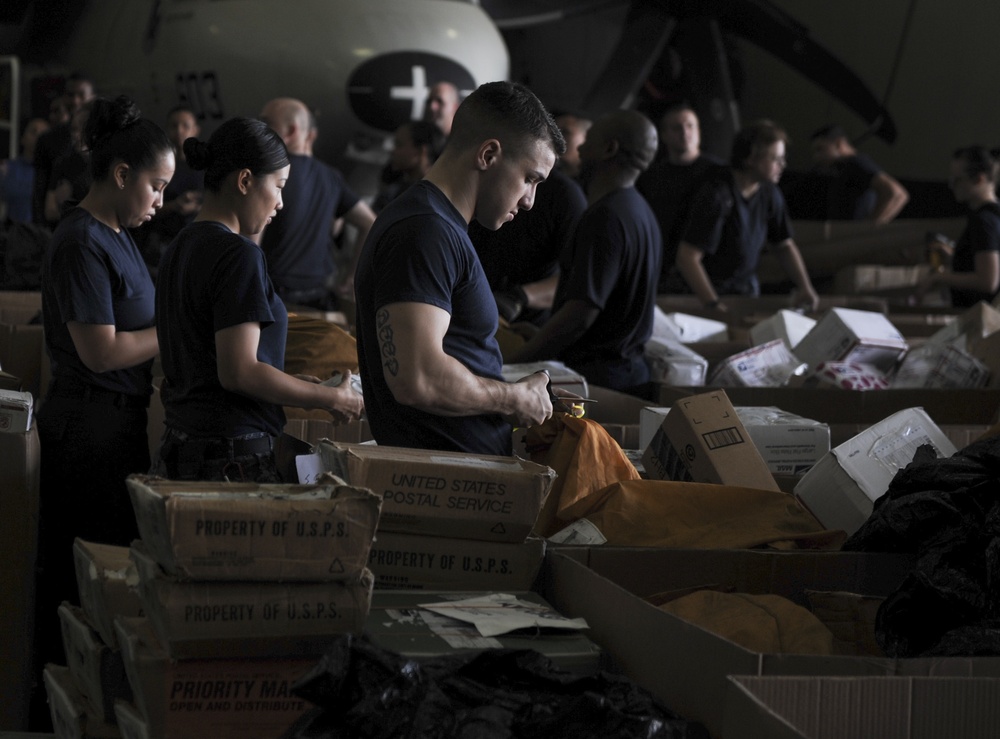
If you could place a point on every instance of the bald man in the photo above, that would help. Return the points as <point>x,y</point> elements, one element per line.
<point>442,102</point>
<point>604,304</point>
<point>299,240</point>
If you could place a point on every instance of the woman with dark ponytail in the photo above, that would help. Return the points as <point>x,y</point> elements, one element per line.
<point>221,325</point>
<point>97,304</point>
<point>975,264</point>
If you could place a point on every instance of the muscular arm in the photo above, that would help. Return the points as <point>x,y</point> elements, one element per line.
<point>102,348</point>
<point>890,197</point>
<point>241,372</point>
<point>564,328</point>
<point>795,268</point>
<point>420,374</point>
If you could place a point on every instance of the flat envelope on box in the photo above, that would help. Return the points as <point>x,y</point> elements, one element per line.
<point>246,531</point>
<point>415,562</point>
<point>450,494</point>
<point>218,698</point>
<point>196,618</point>
<point>106,581</point>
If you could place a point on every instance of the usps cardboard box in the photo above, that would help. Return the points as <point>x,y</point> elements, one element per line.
<point>71,717</point>
<point>673,363</point>
<point>703,439</point>
<point>767,365</point>
<point>449,494</point>
<point>847,335</point>
<point>788,325</point>
<point>312,430</point>
<point>945,366</point>
<point>196,618</point>
<point>224,698</point>
<point>560,375</point>
<point>97,669</point>
<point>842,488</point>
<point>249,531</point>
<point>414,562</point>
<point>130,722</point>
<point>398,623</point>
<point>687,666</point>
<point>785,707</point>
<point>107,582</point>
<point>19,472</point>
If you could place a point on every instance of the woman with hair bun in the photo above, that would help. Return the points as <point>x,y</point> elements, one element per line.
<point>221,325</point>
<point>975,263</point>
<point>98,309</point>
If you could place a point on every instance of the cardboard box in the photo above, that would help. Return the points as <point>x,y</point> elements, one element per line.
<point>788,325</point>
<point>560,375</point>
<point>19,470</point>
<point>788,444</point>
<point>846,335</point>
<point>97,669</point>
<point>246,531</point>
<point>767,365</point>
<point>106,581</point>
<point>130,722</point>
<point>223,698</point>
<point>195,618</point>
<point>849,376</point>
<point>618,413</point>
<point>450,494</point>
<point>843,486</point>
<point>940,366</point>
<point>703,439</point>
<point>398,623</point>
<point>685,665</point>
<point>776,707</point>
<point>879,279</point>
<point>975,324</point>
<point>314,430</point>
<point>22,346</point>
<point>955,407</point>
<point>674,363</point>
<point>71,718</point>
<point>15,411</point>
<point>414,562</point>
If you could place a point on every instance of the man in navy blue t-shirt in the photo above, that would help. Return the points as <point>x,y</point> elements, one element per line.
<point>299,241</point>
<point>607,289</point>
<point>734,215</point>
<point>426,317</point>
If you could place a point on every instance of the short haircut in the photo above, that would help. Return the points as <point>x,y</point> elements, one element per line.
<point>239,143</point>
<point>830,132</point>
<point>978,160</point>
<point>677,108</point>
<point>182,108</point>
<point>752,137</point>
<point>509,112</point>
<point>78,77</point>
<point>115,131</point>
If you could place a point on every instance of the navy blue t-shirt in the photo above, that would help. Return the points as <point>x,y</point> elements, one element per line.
<point>419,251</point>
<point>981,234</point>
<point>297,242</point>
<point>527,249</point>
<point>616,257</point>
<point>668,188</point>
<point>732,231</point>
<point>850,197</point>
<point>94,275</point>
<point>210,279</point>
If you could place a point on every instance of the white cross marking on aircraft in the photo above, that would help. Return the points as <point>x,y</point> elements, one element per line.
<point>417,91</point>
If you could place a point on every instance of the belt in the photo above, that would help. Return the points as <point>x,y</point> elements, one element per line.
<point>222,448</point>
<point>92,394</point>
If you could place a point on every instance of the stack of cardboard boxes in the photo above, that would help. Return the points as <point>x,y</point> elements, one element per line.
<point>241,586</point>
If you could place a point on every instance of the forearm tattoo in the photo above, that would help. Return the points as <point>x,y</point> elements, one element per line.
<point>384,330</point>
